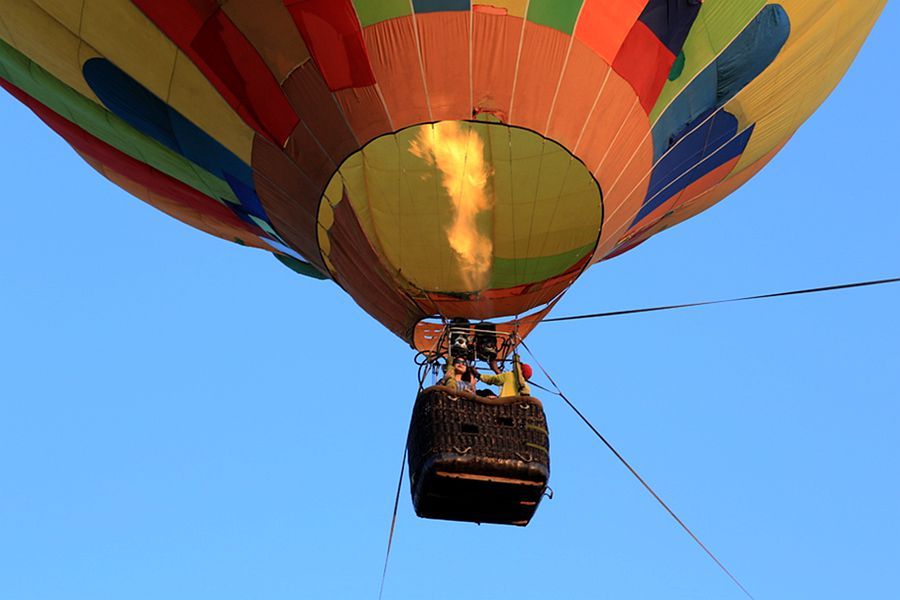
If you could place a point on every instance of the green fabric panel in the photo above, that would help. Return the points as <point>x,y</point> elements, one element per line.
<point>507,272</point>
<point>558,14</point>
<point>375,11</point>
<point>99,122</point>
<point>719,22</point>
<point>298,266</point>
<point>677,67</point>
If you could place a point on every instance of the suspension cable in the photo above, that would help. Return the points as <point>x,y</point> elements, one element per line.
<point>387,554</point>
<point>627,465</point>
<point>634,311</point>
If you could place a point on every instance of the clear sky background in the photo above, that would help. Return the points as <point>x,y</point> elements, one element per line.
<point>183,418</point>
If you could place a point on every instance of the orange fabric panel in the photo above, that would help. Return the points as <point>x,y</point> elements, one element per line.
<point>394,57</point>
<point>628,169</point>
<point>581,83</point>
<point>615,104</point>
<point>268,26</point>
<point>604,24</point>
<point>495,48</point>
<point>444,40</point>
<point>365,112</point>
<point>540,66</point>
<point>289,197</point>
<point>319,112</point>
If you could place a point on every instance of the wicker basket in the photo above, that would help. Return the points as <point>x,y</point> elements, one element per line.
<point>470,461</point>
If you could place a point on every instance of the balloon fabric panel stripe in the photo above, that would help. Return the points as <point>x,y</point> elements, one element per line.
<point>289,197</point>
<point>604,25</point>
<point>429,6</point>
<point>496,49</point>
<point>395,61</point>
<point>584,76</point>
<point>540,64</point>
<point>333,35</point>
<point>375,11</point>
<point>319,112</point>
<point>557,14</point>
<point>134,104</point>
<point>207,35</point>
<point>444,40</point>
<point>268,26</point>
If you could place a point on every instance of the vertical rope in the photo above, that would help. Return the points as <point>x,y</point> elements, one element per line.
<point>387,554</point>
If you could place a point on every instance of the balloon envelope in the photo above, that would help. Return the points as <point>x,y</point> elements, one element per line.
<point>432,157</point>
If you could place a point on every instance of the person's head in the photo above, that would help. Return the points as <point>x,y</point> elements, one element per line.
<point>460,366</point>
<point>527,371</point>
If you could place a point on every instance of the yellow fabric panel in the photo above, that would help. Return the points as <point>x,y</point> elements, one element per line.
<point>547,202</point>
<point>513,7</point>
<point>270,29</point>
<point>121,33</point>
<point>823,43</point>
<point>46,41</point>
<point>67,13</point>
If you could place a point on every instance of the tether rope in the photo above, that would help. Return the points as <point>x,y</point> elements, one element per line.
<point>606,442</point>
<point>387,554</point>
<point>618,313</point>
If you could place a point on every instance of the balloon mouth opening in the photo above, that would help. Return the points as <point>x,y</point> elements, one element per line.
<point>468,212</point>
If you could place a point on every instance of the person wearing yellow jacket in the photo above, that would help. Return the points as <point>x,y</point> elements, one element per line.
<point>513,382</point>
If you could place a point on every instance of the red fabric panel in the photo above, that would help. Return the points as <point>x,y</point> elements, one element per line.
<point>289,197</point>
<point>444,39</point>
<point>207,35</point>
<point>495,49</point>
<point>395,60</point>
<point>646,63</point>
<point>540,67</point>
<point>333,36</point>
<point>320,112</point>
<point>141,173</point>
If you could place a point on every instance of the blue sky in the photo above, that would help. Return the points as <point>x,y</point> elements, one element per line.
<point>185,418</point>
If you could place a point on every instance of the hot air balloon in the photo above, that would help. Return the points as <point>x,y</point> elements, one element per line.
<point>436,159</point>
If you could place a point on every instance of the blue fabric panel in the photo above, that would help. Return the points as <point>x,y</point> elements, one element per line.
<point>742,62</point>
<point>699,153</point>
<point>752,52</point>
<point>671,21</point>
<point>144,111</point>
<point>699,98</point>
<point>247,195</point>
<point>426,6</point>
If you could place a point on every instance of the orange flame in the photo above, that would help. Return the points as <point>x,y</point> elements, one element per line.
<point>459,156</point>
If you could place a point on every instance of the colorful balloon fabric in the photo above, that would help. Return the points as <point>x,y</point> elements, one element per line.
<point>453,158</point>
